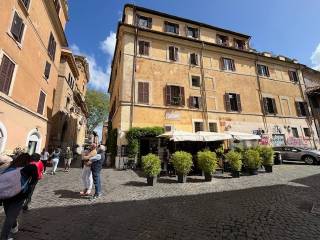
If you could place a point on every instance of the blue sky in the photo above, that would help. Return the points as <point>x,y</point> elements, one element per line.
<point>287,27</point>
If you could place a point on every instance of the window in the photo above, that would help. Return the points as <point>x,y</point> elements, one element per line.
<point>307,132</point>
<point>192,32</point>
<point>144,22</point>
<point>302,109</point>
<point>17,27</point>
<point>263,70</point>
<point>293,75</point>
<point>213,127</point>
<point>269,105</point>
<point>173,53</point>
<point>26,3</point>
<point>143,92</point>
<point>198,126</point>
<point>194,59</point>
<point>167,128</point>
<point>239,44</point>
<point>52,47</point>
<point>233,102</point>
<point>144,48</point>
<point>295,132</point>
<point>227,64</point>
<point>41,101</point>
<point>171,27</point>
<point>57,6</point>
<point>47,70</point>
<point>195,102</point>
<point>222,40</point>
<point>175,96</point>
<point>195,81</point>
<point>6,74</point>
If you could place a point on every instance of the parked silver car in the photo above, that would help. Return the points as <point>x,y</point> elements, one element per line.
<point>309,156</point>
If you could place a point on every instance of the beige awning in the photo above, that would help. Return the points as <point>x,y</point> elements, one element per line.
<point>181,136</point>
<point>214,136</point>
<point>244,136</point>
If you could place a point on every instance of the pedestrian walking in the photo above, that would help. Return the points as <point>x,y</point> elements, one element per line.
<point>78,153</point>
<point>35,160</point>
<point>44,157</point>
<point>87,179</point>
<point>68,159</point>
<point>55,156</point>
<point>13,205</point>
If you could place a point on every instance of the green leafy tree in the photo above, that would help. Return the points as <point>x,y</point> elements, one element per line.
<point>98,107</point>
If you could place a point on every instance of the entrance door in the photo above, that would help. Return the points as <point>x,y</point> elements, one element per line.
<point>32,147</point>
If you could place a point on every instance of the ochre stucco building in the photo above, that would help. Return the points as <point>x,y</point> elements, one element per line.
<point>184,75</point>
<point>32,40</point>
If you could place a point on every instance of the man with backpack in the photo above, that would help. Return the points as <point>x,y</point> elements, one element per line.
<point>15,188</point>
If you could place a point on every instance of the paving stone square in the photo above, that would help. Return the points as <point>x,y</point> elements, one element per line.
<point>267,206</point>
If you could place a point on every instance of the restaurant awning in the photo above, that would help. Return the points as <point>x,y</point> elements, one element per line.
<point>214,136</point>
<point>180,136</point>
<point>244,136</point>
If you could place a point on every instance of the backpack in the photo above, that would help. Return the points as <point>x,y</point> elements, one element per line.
<point>12,183</point>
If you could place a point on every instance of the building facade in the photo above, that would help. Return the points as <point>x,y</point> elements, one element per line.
<point>69,110</point>
<point>32,40</point>
<point>184,75</point>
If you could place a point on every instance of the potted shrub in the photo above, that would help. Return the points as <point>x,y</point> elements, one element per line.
<point>182,163</point>
<point>267,156</point>
<point>252,161</point>
<point>207,162</point>
<point>234,159</point>
<point>151,166</point>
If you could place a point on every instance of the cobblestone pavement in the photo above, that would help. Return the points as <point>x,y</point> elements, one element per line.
<point>267,206</point>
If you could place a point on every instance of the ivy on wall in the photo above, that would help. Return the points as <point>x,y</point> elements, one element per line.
<point>135,134</point>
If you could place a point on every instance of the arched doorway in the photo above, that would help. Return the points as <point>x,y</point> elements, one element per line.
<point>34,142</point>
<point>3,137</point>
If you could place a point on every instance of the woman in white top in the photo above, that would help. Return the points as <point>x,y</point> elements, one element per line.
<point>44,157</point>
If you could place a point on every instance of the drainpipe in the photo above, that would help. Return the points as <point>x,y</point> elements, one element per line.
<point>264,119</point>
<point>134,63</point>
<point>309,118</point>
<point>203,92</point>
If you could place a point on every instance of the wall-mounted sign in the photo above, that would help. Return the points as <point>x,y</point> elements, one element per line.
<point>172,115</point>
<point>278,140</point>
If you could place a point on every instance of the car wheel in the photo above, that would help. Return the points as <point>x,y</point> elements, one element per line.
<point>309,160</point>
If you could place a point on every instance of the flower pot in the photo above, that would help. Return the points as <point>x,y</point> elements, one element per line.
<point>235,174</point>
<point>208,177</point>
<point>151,180</point>
<point>253,171</point>
<point>268,169</point>
<point>182,178</point>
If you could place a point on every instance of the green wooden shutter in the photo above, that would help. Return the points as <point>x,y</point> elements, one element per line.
<point>6,74</point>
<point>227,102</point>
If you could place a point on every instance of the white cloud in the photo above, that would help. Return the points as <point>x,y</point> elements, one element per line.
<point>315,58</point>
<point>108,45</point>
<point>99,75</point>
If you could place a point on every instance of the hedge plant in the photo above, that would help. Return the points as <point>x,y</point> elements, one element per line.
<point>151,165</point>
<point>267,155</point>
<point>182,162</point>
<point>207,161</point>
<point>234,159</point>
<point>134,134</point>
<point>252,159</point>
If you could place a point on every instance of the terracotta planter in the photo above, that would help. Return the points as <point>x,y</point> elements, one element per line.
<point>182,178</point>
<point>208,177</point>
<point>268,169</point>
<point>253,171</point>
<point>151,180</point>
<point>235,174</point>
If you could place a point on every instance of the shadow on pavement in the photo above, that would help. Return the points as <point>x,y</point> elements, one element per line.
<point>68,194</point>
<point>272,212</point>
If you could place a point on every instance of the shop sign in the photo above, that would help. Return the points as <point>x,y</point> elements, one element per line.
<point>264,140</point>
<point>278,140</point>
<point>172,116</point>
